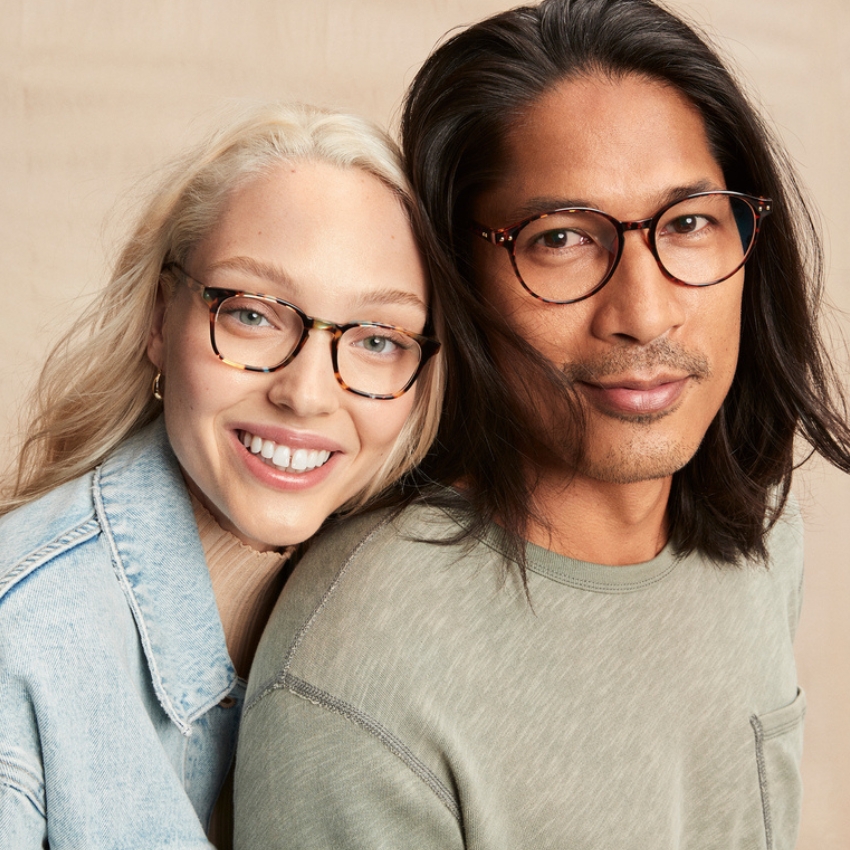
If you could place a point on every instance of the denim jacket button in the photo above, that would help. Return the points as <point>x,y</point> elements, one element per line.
<point>227,702</point>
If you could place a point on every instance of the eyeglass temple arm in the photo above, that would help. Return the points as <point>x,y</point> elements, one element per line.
<point>193,284</point>
<point>495,237</point>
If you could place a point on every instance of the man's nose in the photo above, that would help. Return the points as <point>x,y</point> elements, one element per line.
<point>639,303</point>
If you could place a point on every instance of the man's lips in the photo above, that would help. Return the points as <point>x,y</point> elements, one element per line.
<point>635,397</point>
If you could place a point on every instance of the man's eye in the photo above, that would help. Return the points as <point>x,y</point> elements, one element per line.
<point>686,224</point>
<point>562,238</point>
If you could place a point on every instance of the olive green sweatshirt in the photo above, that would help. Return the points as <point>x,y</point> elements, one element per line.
<point>410,695</point>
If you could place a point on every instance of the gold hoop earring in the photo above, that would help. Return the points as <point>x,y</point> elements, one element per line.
<point>156,386</point>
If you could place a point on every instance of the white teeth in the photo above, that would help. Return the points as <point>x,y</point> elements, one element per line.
<point>283,457</point>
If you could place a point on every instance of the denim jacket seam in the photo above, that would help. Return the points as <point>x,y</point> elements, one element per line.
<point>23,780</point>
<point>118,567</point>
<point>46,552</point>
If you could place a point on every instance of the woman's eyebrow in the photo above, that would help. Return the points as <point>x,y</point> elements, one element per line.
<point>274,274</point>
<point>256,268</point>
<point>387,295</point>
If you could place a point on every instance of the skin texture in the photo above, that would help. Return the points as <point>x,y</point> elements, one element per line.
<point>651,360</point>
<point>336,243</point>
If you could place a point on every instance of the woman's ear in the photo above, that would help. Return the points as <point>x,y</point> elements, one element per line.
<point>156,339</point>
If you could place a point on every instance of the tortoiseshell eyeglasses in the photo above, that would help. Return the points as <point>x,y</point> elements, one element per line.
<point>566,255</point>
<point>260,333</point>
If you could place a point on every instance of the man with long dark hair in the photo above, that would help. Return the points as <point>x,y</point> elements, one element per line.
<point>584,639</point>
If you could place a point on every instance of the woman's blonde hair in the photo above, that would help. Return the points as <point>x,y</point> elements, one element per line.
<point>95,388</point>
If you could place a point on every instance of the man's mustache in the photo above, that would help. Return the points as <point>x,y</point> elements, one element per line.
<point>629,359</point>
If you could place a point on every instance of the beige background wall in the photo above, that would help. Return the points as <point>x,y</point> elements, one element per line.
<point>95,95</point>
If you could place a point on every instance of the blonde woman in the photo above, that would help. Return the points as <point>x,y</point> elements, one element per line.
<point>261,359</point>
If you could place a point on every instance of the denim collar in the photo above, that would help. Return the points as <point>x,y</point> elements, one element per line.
<point>145,512</point>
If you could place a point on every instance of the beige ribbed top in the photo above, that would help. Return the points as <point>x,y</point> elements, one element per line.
<point>246,584</point>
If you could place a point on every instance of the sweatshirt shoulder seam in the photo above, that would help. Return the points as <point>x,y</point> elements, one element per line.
<point>300,688</point>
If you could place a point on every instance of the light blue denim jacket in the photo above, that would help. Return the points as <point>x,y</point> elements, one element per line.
<point>118,702</point>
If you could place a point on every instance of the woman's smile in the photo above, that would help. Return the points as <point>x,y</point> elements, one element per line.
<point>284,457</point>
<point>271,454</point>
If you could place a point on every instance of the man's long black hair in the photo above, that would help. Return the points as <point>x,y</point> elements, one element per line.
<point>457,113</point>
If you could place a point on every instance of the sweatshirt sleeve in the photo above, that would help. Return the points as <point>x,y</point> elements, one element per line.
<point>308,777</point>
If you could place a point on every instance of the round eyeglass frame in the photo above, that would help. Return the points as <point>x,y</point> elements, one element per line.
<point>214,297</point>
<point>507,238</point>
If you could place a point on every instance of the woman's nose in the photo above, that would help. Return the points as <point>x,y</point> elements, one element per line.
<point>307,385</point>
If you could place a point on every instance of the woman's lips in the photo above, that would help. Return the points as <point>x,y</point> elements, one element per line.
<point>282,456</point>
<point>286,459</point>
<point>635,397</point>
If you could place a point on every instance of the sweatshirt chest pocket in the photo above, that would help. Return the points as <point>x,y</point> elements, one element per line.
<point>779,747</point>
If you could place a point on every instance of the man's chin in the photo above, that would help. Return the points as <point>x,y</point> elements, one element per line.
<point>633,464</point>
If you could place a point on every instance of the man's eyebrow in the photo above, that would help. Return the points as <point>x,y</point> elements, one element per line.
<point>678,193</point>
<point>541,204</point>
<point>277,276</point>
<point>546,203</point>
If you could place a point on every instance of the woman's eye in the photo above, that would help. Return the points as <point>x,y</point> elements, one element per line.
<point>250,317</point>
<point>376,344</point>
<point>245,315</point>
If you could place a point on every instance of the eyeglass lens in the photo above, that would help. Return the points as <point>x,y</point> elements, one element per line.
<point>699,241</point>
<point>262,334</point>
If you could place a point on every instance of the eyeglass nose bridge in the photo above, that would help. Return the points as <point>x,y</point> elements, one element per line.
<point>623,227</point>
<point>641,224</point>
<point>311,324</point>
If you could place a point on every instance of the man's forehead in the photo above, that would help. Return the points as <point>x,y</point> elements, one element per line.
<point>598,142</point>
<point>535,205</point>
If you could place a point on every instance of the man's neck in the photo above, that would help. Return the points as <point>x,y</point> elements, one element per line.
<point>601,522</point>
